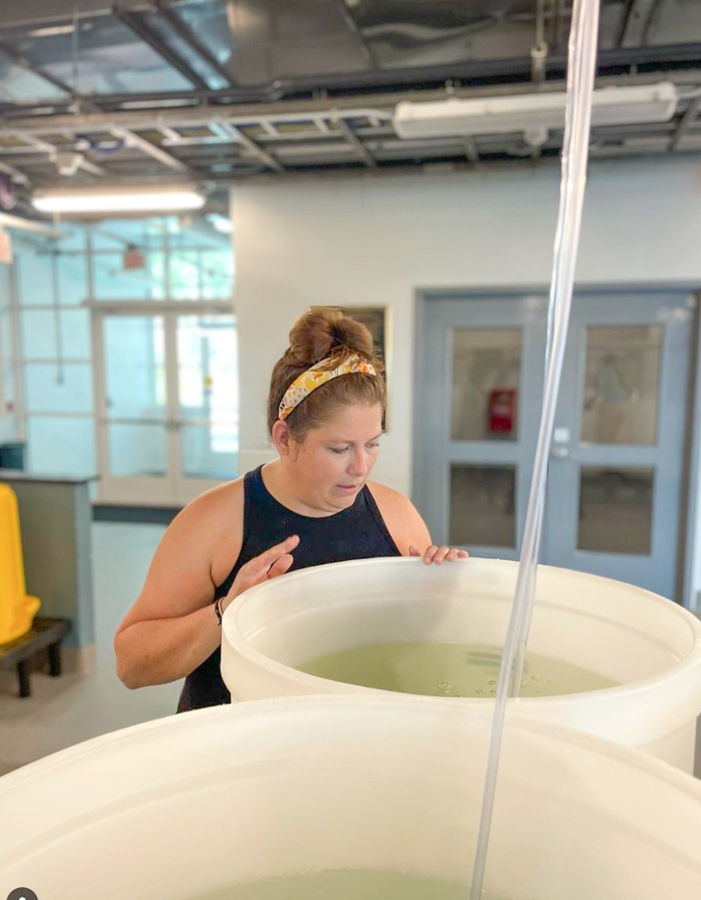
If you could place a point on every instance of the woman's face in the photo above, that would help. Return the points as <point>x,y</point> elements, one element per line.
<point>333,462</point>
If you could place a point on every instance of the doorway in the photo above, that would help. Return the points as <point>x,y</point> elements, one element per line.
<point>616,469</point>
<point>166,383</point>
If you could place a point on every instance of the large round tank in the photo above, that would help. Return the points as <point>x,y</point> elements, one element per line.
<point>649,646</point>
<point>187,806</point>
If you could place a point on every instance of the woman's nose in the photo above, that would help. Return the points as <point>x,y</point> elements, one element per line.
<point>358,467</point>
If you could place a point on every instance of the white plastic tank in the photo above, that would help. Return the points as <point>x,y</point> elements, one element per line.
<point>649,646</point>
<point>186,806</point>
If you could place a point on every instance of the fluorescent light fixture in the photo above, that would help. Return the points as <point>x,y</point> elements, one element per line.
<point>118,200</point>
<point>52,31</point>
<point>160,104</point>
<point>526,112</point>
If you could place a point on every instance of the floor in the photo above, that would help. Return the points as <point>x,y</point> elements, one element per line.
<point>64,711</point>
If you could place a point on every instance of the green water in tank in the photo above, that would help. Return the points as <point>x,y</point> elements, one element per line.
<point>449,670</point>
<point>357,884</point>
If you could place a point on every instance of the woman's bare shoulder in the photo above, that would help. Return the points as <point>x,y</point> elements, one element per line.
<point>202,542</point>
<point>390,498</point>
<point>218,513</point>
<point>401,517</point>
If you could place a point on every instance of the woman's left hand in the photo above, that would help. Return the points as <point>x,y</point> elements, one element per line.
<point>438,555</point>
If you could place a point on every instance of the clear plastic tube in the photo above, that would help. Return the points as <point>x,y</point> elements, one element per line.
<point>575,155</point>
<point>580,84</point>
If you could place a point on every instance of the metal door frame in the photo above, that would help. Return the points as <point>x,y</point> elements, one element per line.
<point>690,507</point>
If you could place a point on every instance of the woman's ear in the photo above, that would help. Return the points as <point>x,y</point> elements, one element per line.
<point>282,438</point>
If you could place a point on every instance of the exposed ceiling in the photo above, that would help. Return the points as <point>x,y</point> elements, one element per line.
<point>218,90</point>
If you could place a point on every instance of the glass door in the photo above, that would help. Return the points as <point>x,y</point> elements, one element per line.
<point>482,380</point>
<point>132,402</point>
<point>206,419</point>
<point>616,462</point>
<point>616,470</point>
<point>167,396</point>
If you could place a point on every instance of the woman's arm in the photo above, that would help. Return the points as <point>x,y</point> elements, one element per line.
<point>172,628</point>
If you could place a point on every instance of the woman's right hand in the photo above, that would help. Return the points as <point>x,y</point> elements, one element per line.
<point>275,561</point>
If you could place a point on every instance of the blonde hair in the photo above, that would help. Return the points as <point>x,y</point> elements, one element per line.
<point>325,334</point>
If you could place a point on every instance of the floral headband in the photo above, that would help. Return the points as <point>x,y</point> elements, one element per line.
<point>313,378</point>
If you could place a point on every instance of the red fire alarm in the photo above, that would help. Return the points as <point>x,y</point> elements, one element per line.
<point>501,410</point>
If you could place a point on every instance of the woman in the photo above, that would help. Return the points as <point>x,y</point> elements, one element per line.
<point>312,505</point>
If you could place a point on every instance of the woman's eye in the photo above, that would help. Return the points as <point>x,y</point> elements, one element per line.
<point>373,446</point>
<point>338,449</point>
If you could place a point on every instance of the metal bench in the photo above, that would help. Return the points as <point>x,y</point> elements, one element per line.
<point>44,634</point>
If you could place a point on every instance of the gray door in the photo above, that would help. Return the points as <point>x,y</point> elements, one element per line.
<point>614,493</point>
<point>477,419</point>
<point>617,457</point>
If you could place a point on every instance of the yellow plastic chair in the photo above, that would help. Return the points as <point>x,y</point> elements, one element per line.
<point>17,608</point>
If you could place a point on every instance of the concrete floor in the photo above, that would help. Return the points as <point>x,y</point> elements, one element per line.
<point>64,711</point>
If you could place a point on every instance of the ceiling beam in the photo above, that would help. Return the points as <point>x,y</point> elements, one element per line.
<point>135,140</point>
<point>287,111</point>
<point>687,120</point>
<point>270,129</point>
<point>135,23</point>
<point>471,151</point>
<point>355,142</point>
<point>318,108</point>
<point>42,146</point>
<point>168,132</point>
<point>90,167</point>
<point>14,174</point>
<point>236,135</point>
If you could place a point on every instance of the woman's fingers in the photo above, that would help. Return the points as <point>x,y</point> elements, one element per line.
<point>280,566</point>
<point>437,555</point>
<point>440,555</point>
<point>260,564</point>
<point>280,549</point>
<point>275,561</point>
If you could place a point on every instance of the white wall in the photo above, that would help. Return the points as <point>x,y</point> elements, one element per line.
<point>368,241</point>
<point>8,419</point>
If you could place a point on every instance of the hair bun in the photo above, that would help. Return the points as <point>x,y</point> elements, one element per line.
<point>324,333</point>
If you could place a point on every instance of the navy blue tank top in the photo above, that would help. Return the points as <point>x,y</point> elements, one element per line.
<point>358,532</point>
